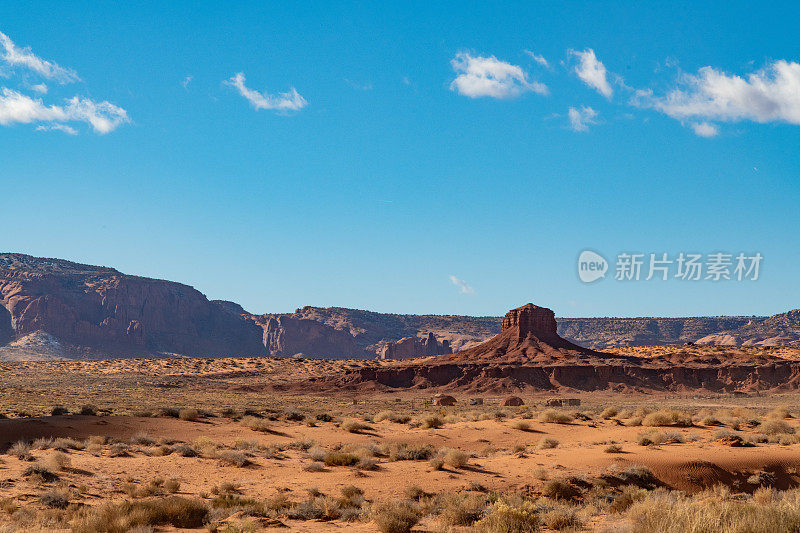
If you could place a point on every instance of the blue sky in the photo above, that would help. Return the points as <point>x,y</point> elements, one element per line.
<point>453,158</point>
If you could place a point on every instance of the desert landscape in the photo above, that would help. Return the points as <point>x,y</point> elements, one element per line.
<point>526,431</point>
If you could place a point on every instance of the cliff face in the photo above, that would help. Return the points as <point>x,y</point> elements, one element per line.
<point>104,310</point>
<point>409,347</point>
<point>290,336</point>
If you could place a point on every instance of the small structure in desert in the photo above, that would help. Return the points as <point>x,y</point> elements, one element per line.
<point>443,399</point>
<point>562,402</point>
<point>513,401</point>
<point>476,401</point>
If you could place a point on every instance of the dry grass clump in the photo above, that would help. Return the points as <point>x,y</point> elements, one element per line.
<point>613,448</point>
<point>555,417</point>
<point>21,450</point>
<point>459,509</point>
<point>667,418</point>
<point>233,458</point>
<point>395,517</point>
<point>391,416</point>
<point>314,466</point>
<point>775,426</point>
<point>547,444</point>
<point>122,517</point>
<point>256,424</point>
<point>779,413</point>
<point>58,461</point>
<point>431,422</point>
<point>401,451</point>
<point>40,474</point>
<point>339,458</point>
<point>671,512</point>
<point>560,517</point>
<point>59,410</point>
<point>351,425</point>
<point>455,458</point>
<point>522,425</point>
<point>190,415</point>
<point>655,437</point>
<point>560,489</point>
<point>55,499</point>
<point>609,412</point>
<point>505,517</point>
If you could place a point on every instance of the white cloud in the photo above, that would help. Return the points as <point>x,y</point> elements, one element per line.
<point>186,81</point>
<point>23,57</point>
<point>705,129</point>
<point>580,119</point>
<point>289,101</point>
<point>58,127</point>
<point>40,88</point>
<point>463,288</point>
<point>538,58</point>
<point>15,107</point>
<point>592,72</point>
<point>488,76</point>
<point>771,94</point>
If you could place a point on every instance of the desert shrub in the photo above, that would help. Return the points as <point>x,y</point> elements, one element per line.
<point>710,421</point>
<point>416,493</point>
<point>408,452</point>
<point>40,473</point>
<point>189,415</point>
<point>337,458</point>
<point>392,417</point>
<point>314,466</point>
<point>609,412</point>
<point>431,422</point>
<point>558,518</point>
<point>184,450</point>
<point>460,509</point>
<point>59,410</point>
<point>293,415</point>
<point>613,448</point>
<point>55,499</point>
<point>169,412</point>
<point>503,517</point>
<point>522,425</point>
<point>20,449</point>
<point>233,458</point>
<point>775,426</point>
<point>118,449</point>
<point>634,421</point>
<point>367,463</point>
<point>324,417</point>
<point>63,444</point>
<point>671,512</point>
<point>58,461</point>
<point>559,489</point>
<point>395,517</point>
<point>667,418</point>
<point>351,425</point>
<point>172,486</point>
<point>555,417</point>
<point>779,413</point>
<point>455,458</point>
<point>122,517</point>
<point>628,495</point>
<point>437,463</point>
<point>256,424</point>
<point>142,439</point>
<point>88,410</point>
<point>547,444</point>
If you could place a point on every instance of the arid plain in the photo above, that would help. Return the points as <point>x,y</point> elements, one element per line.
<point>234,445</point>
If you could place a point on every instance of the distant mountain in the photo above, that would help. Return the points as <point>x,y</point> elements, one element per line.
<point>51,308</point>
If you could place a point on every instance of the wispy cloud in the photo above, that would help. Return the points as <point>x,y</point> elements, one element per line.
<point>538,58</point>
<point>358,86</point>
<point>186,81</point>
<point>704,129</point>
<point>58,127</point>
<point>771,94</point>
<point>580,119</point>
<point>462,285</point>
<point>16,107</point>
<point>592,71</point>
<point>289,101</point>
<point>25,58</point>
<point>488,76</point>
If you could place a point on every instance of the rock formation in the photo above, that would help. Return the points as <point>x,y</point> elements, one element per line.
<point>528,334</point>
<point>409,347</point>
<point>290,336</point>
<point>103,310</point>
